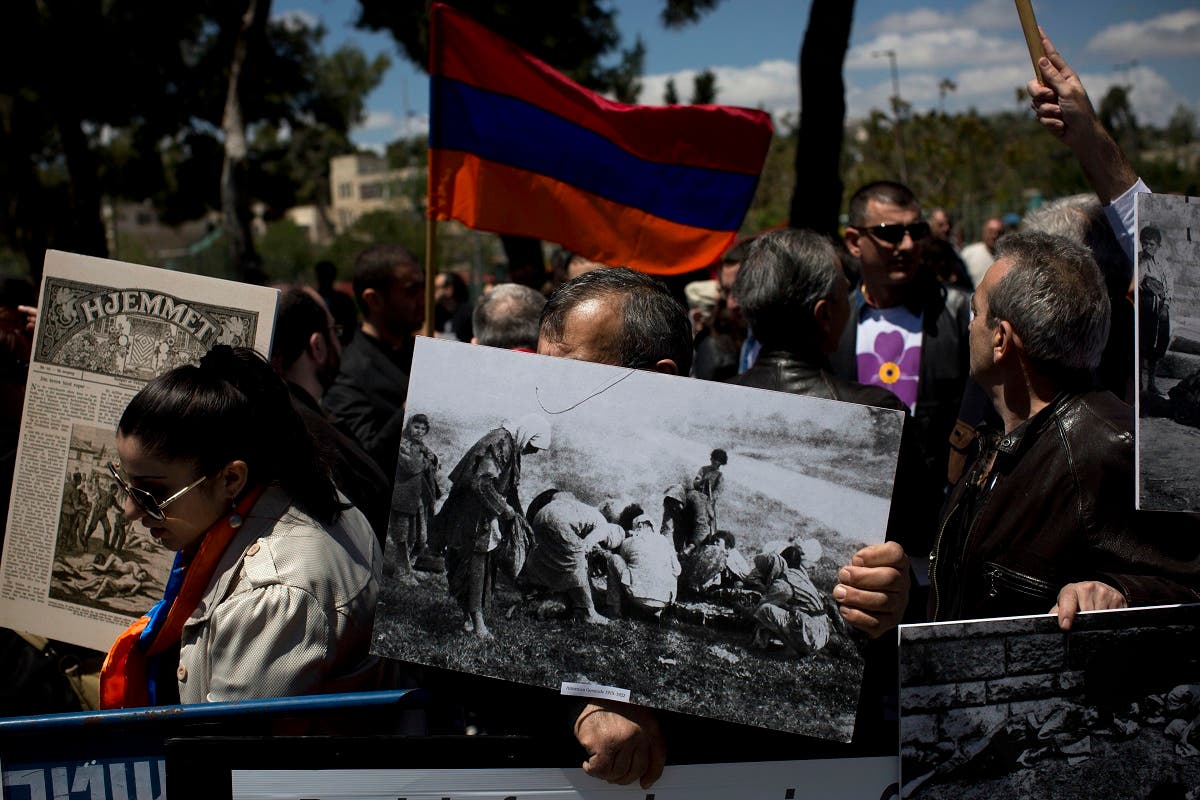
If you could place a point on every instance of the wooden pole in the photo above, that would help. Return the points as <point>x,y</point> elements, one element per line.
<point>430,272</point>
<point>1033,37</point>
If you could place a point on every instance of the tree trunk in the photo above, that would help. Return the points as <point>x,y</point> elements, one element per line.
<point>235,193</point>
<point>817,198</point>
<point>86,232</point>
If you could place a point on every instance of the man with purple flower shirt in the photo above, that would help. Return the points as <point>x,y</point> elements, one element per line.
<point>907,331</point>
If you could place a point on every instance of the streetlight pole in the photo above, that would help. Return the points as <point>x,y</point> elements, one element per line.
<point>902,162</point>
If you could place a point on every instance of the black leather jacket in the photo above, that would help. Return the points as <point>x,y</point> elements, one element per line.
<point>1052,503</point>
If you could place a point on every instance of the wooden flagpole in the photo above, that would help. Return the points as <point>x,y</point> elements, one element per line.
<point>1033,37</point>
<point>430,272</point>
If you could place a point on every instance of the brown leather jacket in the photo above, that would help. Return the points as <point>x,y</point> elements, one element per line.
<point>1052,503</point>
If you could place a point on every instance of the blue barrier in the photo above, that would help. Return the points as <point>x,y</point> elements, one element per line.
<point>119,755</point>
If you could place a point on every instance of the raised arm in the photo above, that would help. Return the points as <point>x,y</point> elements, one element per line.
<point>1064,109</point>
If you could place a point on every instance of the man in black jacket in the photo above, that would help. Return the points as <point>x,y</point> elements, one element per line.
<point>621,317</point>
<point>908,330</point>
<point>306,354</point>
<point>1043,519</point>
<point>368,395</point>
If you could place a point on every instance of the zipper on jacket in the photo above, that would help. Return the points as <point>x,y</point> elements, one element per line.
<point>998,576</point>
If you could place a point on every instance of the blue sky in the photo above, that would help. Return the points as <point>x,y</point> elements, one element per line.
<point>751,45</point>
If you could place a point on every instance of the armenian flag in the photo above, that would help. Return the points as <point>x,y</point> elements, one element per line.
<point>518,148</point>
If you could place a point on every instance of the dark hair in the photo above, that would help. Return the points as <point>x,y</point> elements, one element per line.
<point>653,324</point>
<point>233,406</point>
<point>326,272</point>
<point>793,556</point>
<point>886,192</point>
<point>1150,232</point>
<point>418,419</point>
<point>785,274</point>
<point>458,287</point>
<point>938,258</point>
<point>628,514</point>
<point>375,269</point>
<point>508,316</point>
<point>737,253</point>
<point>725,536</point>
<point>720,456</point>
<point>300,315</point>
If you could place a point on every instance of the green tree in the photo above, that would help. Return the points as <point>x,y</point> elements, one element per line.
<point>139,118</point>
<point>1116,115</point>
<point>704,88</point>
<point>670,93</point>
<point>573,37</point>
<point>624,79</point>
<point>1181,129</point>
<point>70,75</point>
<point>286,250</point>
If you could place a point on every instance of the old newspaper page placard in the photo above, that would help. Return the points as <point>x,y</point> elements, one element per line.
<point>673,537</point>
<point>1167,302</point>
<point>1017,707</point>
<point>73,568</point>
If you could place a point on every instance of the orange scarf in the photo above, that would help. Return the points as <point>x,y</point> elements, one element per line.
<point>125,677</point>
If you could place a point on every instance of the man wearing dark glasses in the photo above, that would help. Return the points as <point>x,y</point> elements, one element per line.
<point>907,331</point>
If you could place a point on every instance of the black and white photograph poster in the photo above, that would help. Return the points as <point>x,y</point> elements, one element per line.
<point>828,779</point>
<point>1167,301</point>
<point>1016,707</point>
<point>676,541</point>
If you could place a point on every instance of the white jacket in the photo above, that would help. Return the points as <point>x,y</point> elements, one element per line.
<point>288,611</point>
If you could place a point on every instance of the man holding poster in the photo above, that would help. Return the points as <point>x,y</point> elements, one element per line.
<point>588,318</point>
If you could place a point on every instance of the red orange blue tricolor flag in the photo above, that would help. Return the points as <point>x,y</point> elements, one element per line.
<point>517,148</point>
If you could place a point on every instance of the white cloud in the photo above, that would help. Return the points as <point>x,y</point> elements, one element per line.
<point>983,14</point>
<point>1151,95</point>
<point>382,127</point>
<point>1174,34</point>
<point>995,89</point>
<point>936,48</point>
<point>991,14</point>
<point>919,19</point>
<point>295,19</point>
<point>771,85</point>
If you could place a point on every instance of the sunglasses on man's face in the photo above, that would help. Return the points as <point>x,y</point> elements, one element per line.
<point>146,501</point>
<point>893,232</point>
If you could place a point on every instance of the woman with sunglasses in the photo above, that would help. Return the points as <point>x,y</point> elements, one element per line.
<point>275,578</point>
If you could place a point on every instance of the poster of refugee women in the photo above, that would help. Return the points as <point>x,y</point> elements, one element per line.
<point>74,568</point>
<point>1017,707</point>
<point>629,534</point>
<point>1168,346</point>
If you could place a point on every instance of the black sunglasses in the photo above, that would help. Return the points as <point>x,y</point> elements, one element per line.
<point>893,232</point>
<point>146,501</point>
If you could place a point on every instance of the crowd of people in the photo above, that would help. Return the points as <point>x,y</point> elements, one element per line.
<point>1014,491</point>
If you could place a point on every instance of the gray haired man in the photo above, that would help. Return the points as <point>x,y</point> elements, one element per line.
<point>1043,518</point>
<point>508,317</point>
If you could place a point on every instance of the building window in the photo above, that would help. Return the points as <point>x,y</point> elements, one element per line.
<point>345,191</point>
<point>370,191</point>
